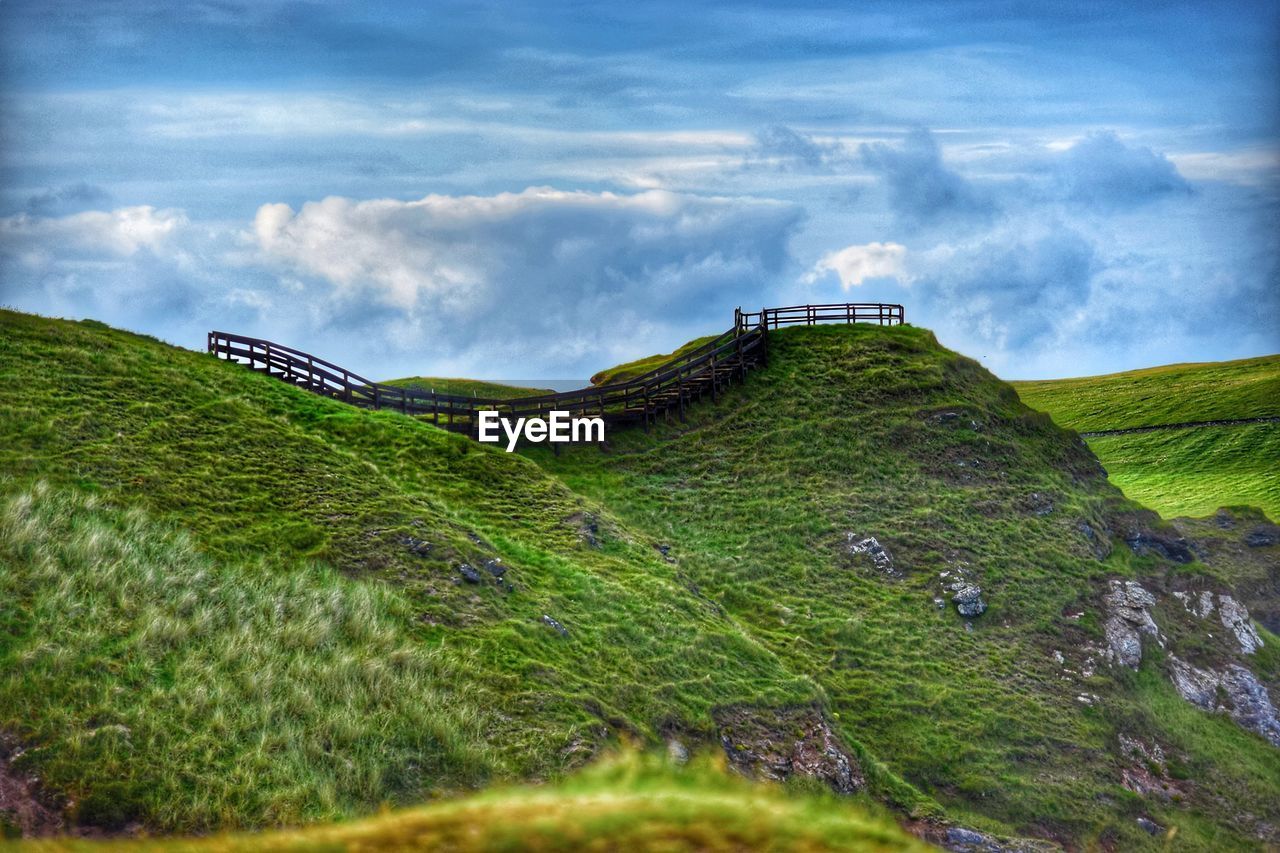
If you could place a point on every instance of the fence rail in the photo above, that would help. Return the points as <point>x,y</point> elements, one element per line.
<point>657,393</point>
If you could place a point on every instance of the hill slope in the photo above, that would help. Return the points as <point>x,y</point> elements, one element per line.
<point>548,627</point>
<point>769,501</point>
<point>1179,471</point>
<point>500,617</point>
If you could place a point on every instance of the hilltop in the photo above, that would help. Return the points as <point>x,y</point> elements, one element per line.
<point>466,387</point>
<point>1179,471</point>
<point>244,605</point>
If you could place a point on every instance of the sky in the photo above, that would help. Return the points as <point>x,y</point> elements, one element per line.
<point>538,190</point>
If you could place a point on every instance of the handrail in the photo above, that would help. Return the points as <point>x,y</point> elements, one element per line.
<point>645,397</point>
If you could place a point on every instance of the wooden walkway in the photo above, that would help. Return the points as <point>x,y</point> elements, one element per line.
<point>657,394</point>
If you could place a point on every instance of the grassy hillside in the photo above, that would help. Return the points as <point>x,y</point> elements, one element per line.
<point>466,387</point>
<point>631,369</point>
<point>627,803</point>
<point>268,481</point>
<point>1176,393</point>
<point>869,432</point>
<point>1185,471</point>
<point>241,605</point>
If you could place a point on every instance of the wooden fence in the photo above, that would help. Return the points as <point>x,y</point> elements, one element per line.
<point>657,393</point>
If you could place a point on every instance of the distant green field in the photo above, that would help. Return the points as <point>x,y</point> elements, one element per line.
<point>1176,393</point>
<point>1179,472</point>
<point>465,387</point>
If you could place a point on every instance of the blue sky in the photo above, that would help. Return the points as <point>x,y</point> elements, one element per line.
<point>539,190</point>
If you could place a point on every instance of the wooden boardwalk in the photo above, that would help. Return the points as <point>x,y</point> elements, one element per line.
<point>660,393</point>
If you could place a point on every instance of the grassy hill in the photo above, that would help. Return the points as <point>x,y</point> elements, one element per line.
<point>240,605</point>
<point>870,432</point>
<point>631,369</point>
<point>355,528</point>
<point>466,387</point>
<point>1186,471</point>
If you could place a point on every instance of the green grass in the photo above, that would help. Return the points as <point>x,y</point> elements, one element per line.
<point>839,435</point>
<point>165,686</point>
<point>1194,472</point>
<point>632,369</point>
<point>466,387</point>
<point>1189,472</point>
<point>1176,393</point>
<point>628,802</point>
<point>269,479</point>
<point>224,498</point>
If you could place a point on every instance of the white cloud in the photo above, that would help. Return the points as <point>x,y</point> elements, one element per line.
<point>856,264</point>
<point>119,233</point>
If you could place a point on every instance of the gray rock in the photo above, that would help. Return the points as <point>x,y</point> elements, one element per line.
<point>1236,619</point>
<point>1150,826</point>
<point>1144,542</point>
<point>1197,686</point>
<point>958,835</point>
<point>1247,701</point>
<point>1126,621</point>
<point>419,547</point>
<point>968,600</point>
<point>469,574</point>
<point>1251,706</point>
<point>495,567</point>
<point>870,546</point>
<point>1263,536</point>
<point>677,752</point>
<point>556,626</point>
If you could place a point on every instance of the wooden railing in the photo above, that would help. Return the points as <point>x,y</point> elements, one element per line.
<point>665,389</point>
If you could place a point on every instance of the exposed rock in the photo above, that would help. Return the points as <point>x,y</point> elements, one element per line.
<point>665,551</point>
<point>1250,705</point>
<point>968,600</point>
<point>495,567</point>
<point>779,743</point>
<point>872,548</point>
<point>469,574</point>
<point>677,752</point>
<point>959,839</point>
<point>1147,773</point>
<point>1150,826</point>
<point>419,547</point>
<point>1246,699</point>
<point>23,811</point>
<point>1263,536</point>
<point>1236,618</point>
<point>1143,541</point>
<point>556,626</point>
<point>1127,620</point>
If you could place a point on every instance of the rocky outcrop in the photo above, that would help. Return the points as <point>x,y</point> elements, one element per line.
<point>1127,619</point>
<point>968,599</point>
<point>778,743</point>
<point>1233,690</point>
<point>1235,618</point>
<point>1233,615</point>
<point>876,552</point>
